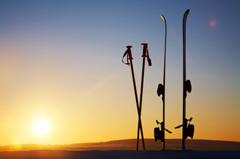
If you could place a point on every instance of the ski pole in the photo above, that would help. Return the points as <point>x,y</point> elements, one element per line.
<point>129,53</point>
<point>145,54</point>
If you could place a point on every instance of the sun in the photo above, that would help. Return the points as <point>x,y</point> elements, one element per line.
<point>41,127</point>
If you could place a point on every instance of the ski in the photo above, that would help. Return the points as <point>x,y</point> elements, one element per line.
<point>184,77</point>
<point>161,90</point>
<point>188,129</point>
<point>164,71</point>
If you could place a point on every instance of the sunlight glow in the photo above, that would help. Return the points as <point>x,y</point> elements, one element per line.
<point>41,127</point>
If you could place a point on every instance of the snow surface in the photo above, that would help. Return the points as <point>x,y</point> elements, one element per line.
<point>122,154</point>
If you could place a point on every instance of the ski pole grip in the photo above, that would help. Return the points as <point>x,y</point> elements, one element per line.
<point>129,52</point>
<point>144,49</point>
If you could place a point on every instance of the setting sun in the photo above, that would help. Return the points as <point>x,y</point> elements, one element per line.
<point>41,127</point>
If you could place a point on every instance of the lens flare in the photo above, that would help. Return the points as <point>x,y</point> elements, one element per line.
<point>212,23</point>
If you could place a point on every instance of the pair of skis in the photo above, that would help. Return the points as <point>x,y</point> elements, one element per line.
<point>139,106</point>
<point>186,85</point>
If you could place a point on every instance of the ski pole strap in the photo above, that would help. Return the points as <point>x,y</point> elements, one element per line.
<point>126,53</point>
<point>148,58</point>
<point>129,55</point>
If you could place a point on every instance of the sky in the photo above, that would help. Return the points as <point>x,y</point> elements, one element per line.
<point>60,62</point>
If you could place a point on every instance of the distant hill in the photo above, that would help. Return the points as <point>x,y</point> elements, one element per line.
<point>130,144</point>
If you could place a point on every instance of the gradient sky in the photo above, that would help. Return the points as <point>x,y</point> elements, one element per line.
<point>61,61</point>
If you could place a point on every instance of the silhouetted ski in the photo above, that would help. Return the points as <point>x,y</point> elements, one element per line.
<point>187,130</point>
<point>161,91</point>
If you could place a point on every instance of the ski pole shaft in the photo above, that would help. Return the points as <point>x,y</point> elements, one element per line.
<point>142,80</point>
<point>140,128</point>
<point>136,97</point>
<point>143,70</point>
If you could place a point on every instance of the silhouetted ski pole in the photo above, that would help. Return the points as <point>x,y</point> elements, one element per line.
<point>129,57</point>
<point>145,54</point>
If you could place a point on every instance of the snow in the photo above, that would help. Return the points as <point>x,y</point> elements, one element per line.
<point>122,154</point>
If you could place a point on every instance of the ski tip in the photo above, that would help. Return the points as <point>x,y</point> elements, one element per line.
<point>187,11</point>
<point>129,46</point>
<point>163,18</point>
<point>185,15</point>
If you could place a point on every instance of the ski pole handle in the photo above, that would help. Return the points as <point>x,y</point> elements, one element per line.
<point>129,52</point>
<point>129,55</point>
<point>145,45</point>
